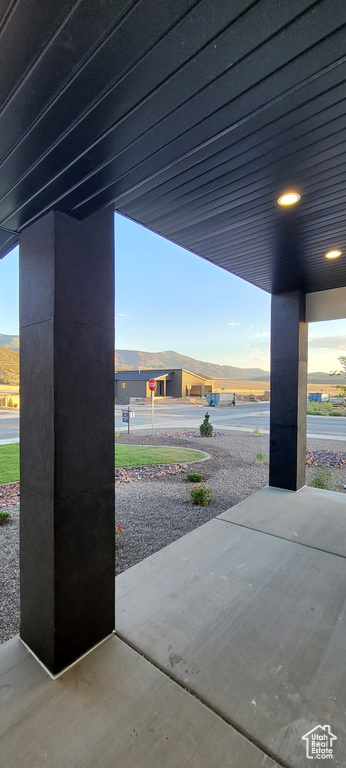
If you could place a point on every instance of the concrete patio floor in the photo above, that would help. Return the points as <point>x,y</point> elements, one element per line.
<point>230,647</point>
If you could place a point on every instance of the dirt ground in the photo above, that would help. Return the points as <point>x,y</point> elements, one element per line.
<point>258,387</point>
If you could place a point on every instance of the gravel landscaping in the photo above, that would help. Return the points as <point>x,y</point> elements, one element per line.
<point>154,507</point>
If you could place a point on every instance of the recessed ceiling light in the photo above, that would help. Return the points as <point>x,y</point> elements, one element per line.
<point>289,198</point>
<point>333,254</point>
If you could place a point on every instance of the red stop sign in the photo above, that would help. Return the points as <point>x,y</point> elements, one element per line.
<point>152,385</point>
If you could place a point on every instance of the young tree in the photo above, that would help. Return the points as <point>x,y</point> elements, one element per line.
<point>342,387</point>
<point>206,429</point>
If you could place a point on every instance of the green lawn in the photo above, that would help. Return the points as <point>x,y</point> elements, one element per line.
<point>137,455</point>
<point>125,456</point>
<point>9,463</point>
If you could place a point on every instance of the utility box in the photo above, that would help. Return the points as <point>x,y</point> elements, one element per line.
<point>315,397</point>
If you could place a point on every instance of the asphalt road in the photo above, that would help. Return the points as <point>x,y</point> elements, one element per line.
<point>244,416</point>
<point>168,414</point>
<point>9,428</point>
<point>174,414</point>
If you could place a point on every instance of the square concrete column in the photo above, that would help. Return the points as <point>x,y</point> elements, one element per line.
<point>288,391</point>
<point>67,435</point>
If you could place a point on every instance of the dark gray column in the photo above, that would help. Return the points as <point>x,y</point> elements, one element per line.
<point>67,435</point>
<point>288,391</point>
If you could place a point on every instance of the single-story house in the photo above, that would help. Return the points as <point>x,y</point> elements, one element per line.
<point>176,382</point>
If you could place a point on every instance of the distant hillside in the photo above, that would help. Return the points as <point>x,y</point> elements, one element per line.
<point>9,366</point>
<point>321,377</point>
<point>126,359</point>
<point>9,342</point>
<point>129,358</point>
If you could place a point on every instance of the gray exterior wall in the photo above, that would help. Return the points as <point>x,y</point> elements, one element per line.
<point>132,389</point>
<point>174,386</point>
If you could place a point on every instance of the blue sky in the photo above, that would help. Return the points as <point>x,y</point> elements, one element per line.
<point>168,298</point>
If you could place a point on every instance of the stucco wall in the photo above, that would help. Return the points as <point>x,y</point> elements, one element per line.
<point>326,305</point>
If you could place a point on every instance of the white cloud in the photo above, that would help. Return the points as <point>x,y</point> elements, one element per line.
<point>263,362</point>
<point>259,335</point>
<point>330,342</point>
<point>259,356</point>
<point>233,323</point>
<point>121,314</point>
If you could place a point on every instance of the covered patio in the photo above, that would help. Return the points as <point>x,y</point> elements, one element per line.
<point>229,648</point>
<point>192,118</point>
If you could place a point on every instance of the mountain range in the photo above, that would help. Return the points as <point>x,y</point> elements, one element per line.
<point>9,342</point>
<point>9,367</point>
<point>127,359</point>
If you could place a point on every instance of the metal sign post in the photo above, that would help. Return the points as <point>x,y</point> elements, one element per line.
<point>152,386</point>
<point>126,416</point>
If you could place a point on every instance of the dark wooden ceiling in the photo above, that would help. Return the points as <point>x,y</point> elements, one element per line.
<point>191,116</point>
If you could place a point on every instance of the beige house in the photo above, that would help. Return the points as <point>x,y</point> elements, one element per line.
<point>9,397</point>
<point>170,383</point>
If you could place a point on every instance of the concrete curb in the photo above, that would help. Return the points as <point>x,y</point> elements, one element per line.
<point>206,455</point>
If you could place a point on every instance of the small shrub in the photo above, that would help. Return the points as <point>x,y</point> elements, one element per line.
<point>195,477</point>
<point>319,409</point>
<point>200,495</point>
<point>10,402</point>
<point>312,409</point>
<point>256,432</point>
<point>118,530</point>
<point>4,516</point>
<point>322,478</point>
<point>260,458</point>
<point>206,429</point>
